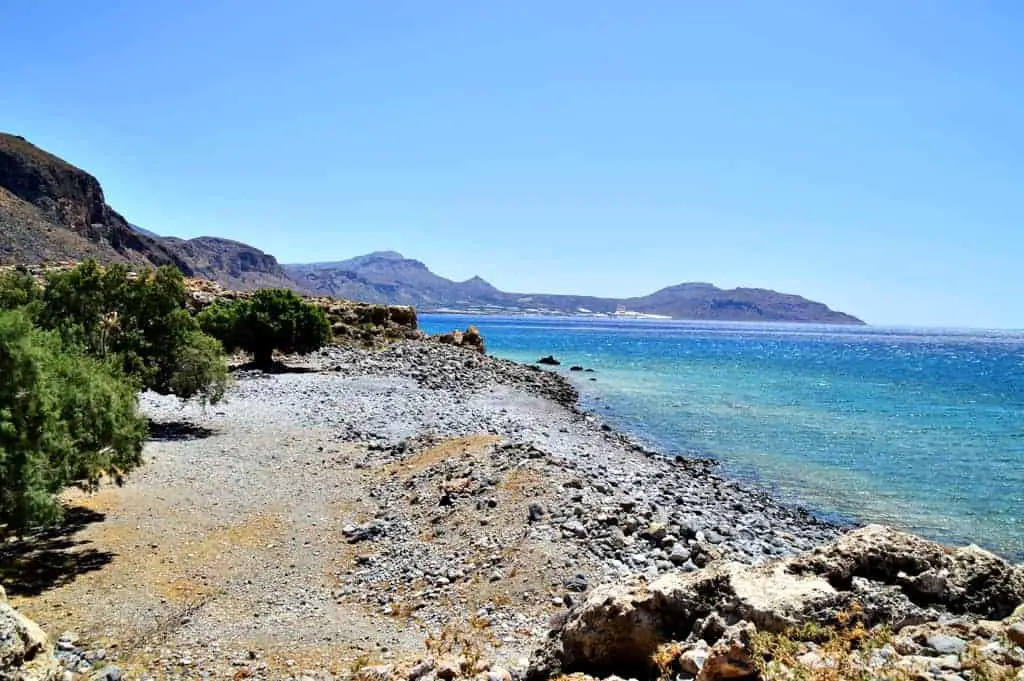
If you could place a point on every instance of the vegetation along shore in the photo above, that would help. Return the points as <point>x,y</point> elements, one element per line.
<point>377,504</point>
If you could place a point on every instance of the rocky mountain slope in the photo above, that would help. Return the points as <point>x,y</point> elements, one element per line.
<point>388,277</point>
<point>53,211</point>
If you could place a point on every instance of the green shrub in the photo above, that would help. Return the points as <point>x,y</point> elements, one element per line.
<point>18,289</point>
<point>273,319</point>
<point>199,369</point>
<point>140,321</point>
<point>65,419</point>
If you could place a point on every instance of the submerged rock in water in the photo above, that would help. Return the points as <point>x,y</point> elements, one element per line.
<point>549,360</point>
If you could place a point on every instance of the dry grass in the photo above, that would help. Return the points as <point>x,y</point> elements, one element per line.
<point>841,653</point>
<point>460,447</point>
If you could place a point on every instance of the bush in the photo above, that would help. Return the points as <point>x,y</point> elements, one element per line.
<point>18,290</point>
<point>140,321</point>
<point>199,369</point>
<point>65,418</point>
<point>273,319</point>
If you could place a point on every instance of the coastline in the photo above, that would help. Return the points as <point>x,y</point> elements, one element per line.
<point>368,500</point>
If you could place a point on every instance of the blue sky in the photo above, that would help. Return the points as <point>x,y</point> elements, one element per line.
<point>866,154</point>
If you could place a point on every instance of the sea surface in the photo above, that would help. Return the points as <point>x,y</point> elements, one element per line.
<point>919,428</point>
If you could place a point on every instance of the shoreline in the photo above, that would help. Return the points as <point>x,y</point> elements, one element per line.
<point>363,503</point>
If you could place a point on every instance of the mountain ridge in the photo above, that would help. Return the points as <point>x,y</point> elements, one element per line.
<point>51,211</point>
<point>388,277</point>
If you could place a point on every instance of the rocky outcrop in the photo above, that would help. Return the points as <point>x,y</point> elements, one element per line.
<point>962,580</point>
<point>25,650</point>
<point>884,576</point>
<point>470,338</point>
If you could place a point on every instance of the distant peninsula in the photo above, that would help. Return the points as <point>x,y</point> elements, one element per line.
<point>389,277</point>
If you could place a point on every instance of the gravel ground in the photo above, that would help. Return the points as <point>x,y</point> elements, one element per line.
<point>370,504</point>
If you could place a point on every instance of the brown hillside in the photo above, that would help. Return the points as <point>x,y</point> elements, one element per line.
<point>52,211</point>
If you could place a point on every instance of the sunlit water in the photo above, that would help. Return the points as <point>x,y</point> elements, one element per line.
<point>919,428</point>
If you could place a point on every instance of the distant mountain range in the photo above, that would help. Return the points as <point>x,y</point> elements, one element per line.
<point>52,211</point>
<point>389,277</point>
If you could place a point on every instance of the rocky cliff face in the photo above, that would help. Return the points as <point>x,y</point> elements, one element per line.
<point>52,211</point>
<point>231,263</point>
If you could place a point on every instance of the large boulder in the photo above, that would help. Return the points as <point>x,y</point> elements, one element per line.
<point>25,651</point>
<point>471,338</point>
<point>961,580</point>
<point>888,577</point>
<point>619,627</point>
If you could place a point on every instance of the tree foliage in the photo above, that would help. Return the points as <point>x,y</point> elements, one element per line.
<point>65,418</point>
<point>272,319</point>
<point>140,321</point>
<point>18,290</point>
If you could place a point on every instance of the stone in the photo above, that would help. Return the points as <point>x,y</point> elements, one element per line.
<point>730,658</point>
<point>108,673</point>
<point>535,512</point>
<point>24,647</point>
<point>944,644</point>
<point>679,554</point>
<point>420,669</point>
<point>693,659</point>
<point>498,674</point>
<point>655,532</point>
<point>703,554</point>
<point>577,583</point>
<point>1015,632</point>
<point>380,672</point>
<point>448,668</point>
<point>617,538</point>
<point>963,580</point>
<point>950,662</point>
<point>549,360</point>
<point>618,628</point>
<point>575,528</point>
<point>358,533</point>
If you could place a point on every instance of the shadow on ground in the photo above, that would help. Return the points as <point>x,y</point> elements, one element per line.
<point>51,558</point>
<point>275,367</point>
<point>177,431</point>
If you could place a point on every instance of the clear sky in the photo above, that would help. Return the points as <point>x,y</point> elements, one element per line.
<point>869,154</point>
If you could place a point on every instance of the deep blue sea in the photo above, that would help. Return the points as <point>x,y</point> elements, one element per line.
<point>918,428</point>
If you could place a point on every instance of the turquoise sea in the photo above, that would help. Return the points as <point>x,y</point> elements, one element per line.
<point>918,428</point>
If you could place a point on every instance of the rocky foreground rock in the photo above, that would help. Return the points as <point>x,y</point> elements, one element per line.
<point>26,653</point>
<point>931,600</point>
